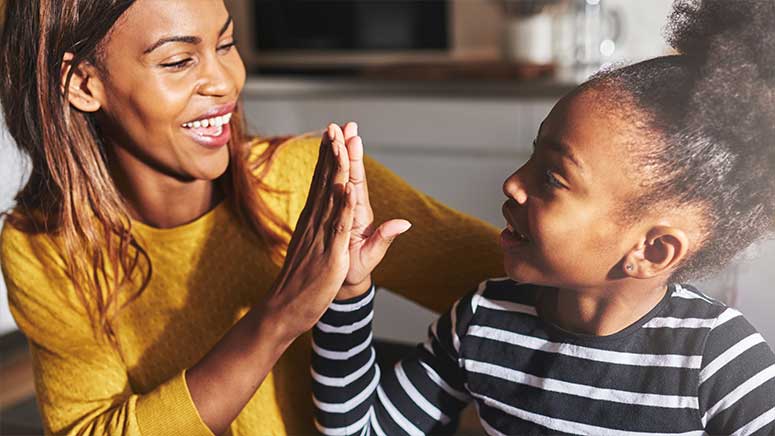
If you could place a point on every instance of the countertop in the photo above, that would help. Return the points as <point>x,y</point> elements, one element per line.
<point>339,86</point>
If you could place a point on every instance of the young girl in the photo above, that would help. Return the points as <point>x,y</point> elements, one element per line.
<point>642,178</point>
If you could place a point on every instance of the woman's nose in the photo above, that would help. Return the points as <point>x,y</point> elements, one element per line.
<point>513,187</point>
<point>217,79</point>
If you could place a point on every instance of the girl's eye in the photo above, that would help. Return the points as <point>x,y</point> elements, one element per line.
<point>552,181</point>
<point>178,65</point>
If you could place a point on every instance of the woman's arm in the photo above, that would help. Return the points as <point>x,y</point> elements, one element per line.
<point>314,270</point>
<point>82,383</point>
<point>423,394</point>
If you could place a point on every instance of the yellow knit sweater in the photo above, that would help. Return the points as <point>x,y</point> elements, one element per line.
<point>206,275</point>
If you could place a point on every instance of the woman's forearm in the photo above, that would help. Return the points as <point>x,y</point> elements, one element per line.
<point>230,373</point>
<point>315,267</point>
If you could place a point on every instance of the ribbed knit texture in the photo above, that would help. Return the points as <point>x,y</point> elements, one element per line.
<point>206,275</point>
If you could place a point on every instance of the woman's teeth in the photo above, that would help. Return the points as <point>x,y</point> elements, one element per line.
<point>208,122</point>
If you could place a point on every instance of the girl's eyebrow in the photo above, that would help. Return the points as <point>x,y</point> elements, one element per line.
<point>566,151</point>
<point>181,38</point>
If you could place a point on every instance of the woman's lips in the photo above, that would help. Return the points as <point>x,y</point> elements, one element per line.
<point>210,137</point>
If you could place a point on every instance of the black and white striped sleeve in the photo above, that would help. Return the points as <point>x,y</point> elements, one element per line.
<point>737,379</point>
<point>424,393</point>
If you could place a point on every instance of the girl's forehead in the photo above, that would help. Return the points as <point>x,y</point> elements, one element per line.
<point>599,133</point>
<point>592,123</point>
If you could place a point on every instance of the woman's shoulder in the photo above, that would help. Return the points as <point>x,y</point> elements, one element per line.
<point>33,266</point>
<point>288,149</point>
<point>24,248</point>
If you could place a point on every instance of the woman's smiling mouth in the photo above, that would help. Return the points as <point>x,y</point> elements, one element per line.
<point>211,129</point>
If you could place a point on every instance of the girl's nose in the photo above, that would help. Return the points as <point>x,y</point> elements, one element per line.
<point>513,187</point>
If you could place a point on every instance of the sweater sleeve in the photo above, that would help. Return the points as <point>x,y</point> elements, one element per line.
<point>445,254</point>
<point>422,394</point>
<point>737,379</point>
<point>81,382</point>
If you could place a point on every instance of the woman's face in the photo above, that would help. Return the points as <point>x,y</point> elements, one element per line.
<point>171,79</point>
<point>567,199</point>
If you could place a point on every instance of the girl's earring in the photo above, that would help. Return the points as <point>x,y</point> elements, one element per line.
<point>628,267</point>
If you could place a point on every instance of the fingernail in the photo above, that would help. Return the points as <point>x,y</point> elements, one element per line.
<point>331,133</point>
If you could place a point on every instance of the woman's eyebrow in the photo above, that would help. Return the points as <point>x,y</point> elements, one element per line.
<point>186,39</point>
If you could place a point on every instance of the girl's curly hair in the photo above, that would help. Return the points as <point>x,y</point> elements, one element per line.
<point>712,108</point>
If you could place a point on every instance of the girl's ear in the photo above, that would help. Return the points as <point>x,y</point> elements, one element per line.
<point>85,91</point>
<point>662,249</point>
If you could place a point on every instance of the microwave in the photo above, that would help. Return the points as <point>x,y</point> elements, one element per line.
<point>282,36</point>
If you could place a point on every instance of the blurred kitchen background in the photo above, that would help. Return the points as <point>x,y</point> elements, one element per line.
<point>447,93</point>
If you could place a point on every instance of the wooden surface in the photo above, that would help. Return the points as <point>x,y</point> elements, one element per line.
<point>468,70</point>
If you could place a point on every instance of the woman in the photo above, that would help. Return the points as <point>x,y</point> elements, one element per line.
<point>142,255</point>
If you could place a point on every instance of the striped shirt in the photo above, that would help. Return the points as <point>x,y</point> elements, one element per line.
<point>691,366</point>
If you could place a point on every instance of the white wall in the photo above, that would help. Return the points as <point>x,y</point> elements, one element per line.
<point>12,172</point>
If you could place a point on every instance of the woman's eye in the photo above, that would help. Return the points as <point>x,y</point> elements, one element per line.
<point>177,65</point>
<point>227,47</point>
<point>552,181</point>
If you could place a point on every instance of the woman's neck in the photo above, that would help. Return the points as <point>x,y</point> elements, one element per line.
<point>171,207</point>
<point>160,200</point>
<point>600,312</point>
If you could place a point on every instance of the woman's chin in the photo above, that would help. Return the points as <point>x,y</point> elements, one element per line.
<point>212,167</point>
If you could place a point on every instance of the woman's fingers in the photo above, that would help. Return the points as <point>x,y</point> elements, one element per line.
<point>343,223</point>
<point>342,171</point>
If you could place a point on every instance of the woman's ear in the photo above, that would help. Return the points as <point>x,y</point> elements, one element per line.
<point>662,249</point>
<point>85,91</point>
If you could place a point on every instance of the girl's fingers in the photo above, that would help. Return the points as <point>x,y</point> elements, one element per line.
<point>379,242</point>
<point>343,224</point>
<point>355,154</point>
<point>358,171</point>
<point>350,130</point>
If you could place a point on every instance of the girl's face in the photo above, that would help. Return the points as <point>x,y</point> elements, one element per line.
<point>566,199</point>
<point>171,78</point>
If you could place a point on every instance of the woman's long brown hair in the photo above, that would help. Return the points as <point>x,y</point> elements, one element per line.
<point>106,264</point>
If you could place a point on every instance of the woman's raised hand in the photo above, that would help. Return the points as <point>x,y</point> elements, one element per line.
<point>318,257</point>
<point>368,244</point>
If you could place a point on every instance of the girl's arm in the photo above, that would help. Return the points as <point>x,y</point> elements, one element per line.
<point>424,393</point>
<point>737,379</point>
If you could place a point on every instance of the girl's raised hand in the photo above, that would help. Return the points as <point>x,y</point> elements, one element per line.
<point>318,256</point>
<point>368,244</point>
